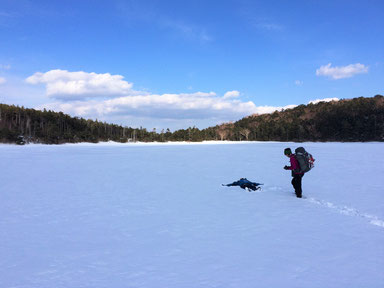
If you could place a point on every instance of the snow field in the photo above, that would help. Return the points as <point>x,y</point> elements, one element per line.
<point>157,216</point>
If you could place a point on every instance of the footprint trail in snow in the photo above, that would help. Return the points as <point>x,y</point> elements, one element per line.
<point>374,220</point>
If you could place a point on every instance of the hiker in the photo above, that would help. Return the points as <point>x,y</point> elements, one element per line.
<point>245,184</point>
<point>297,174</point>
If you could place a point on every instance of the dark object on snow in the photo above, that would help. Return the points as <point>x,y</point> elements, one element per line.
<point>245,184</point>
<point>20,140</point>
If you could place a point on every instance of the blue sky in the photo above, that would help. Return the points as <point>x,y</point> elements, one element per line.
<point>174,64</point>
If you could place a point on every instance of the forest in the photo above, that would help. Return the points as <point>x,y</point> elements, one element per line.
<point>346,120</point>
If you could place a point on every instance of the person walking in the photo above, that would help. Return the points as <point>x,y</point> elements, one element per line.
<point>297,174</point>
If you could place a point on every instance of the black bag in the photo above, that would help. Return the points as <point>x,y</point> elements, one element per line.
<point>305,159</point>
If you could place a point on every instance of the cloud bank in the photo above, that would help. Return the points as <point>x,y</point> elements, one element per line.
<point>341,72</point>
<point>109,97</point>
<point>2,80</point>
<point>104,95</point>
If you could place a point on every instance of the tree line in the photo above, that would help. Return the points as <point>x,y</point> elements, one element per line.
<point>347,120</point>
<point>358,119</point>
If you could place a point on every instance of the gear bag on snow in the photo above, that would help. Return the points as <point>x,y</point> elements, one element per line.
<point>306,161</point>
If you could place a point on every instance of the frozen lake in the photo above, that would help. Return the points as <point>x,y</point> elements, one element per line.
<point>145,215</point>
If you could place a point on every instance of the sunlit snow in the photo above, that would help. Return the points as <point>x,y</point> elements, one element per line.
<point>156,215</point>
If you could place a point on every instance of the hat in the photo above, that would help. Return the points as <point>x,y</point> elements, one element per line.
<point>287,151</point>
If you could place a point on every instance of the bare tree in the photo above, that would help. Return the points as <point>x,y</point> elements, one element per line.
<point>245,132</point>
<point>222,132</point>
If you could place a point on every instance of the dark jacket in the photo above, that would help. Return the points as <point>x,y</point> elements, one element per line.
<point>245,183</point>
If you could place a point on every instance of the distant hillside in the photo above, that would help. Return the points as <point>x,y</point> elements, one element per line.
<point>359,119</point>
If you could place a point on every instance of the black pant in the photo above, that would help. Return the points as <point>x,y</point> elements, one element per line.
<point>296,183</point>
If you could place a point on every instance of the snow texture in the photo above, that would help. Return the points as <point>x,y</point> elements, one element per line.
<point>156,215</point>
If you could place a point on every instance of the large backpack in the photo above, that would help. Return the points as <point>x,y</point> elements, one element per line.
<point>305,160</point>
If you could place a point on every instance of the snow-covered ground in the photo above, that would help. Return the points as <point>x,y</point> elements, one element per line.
<point>138,215</point>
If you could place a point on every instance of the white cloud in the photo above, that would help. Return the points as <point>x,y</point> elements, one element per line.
<point>323,100</point>
<point>179,107</point>
<point>110,98</point>
<point>271,109</point>
<point>65,85</point>
<point>2,80</point>
<point>341,72</point>
<point>197,105</point>
<point>299,83</point>
<point>231,94</point>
